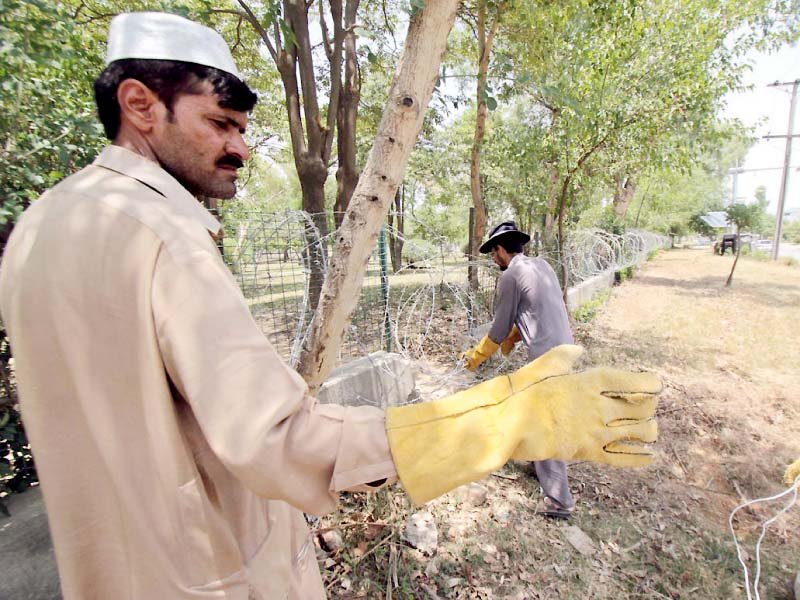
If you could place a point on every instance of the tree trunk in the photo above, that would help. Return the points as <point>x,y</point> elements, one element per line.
<point>312,138</point>
<point>735,260</point>
<point>347,173</point>
<point>624,190</point>
<point>312,174</point>
<point>400,124</point>
<point>485,42</point>
<point>552,203</point>
<point>562,209</point>
<point>397,222</point>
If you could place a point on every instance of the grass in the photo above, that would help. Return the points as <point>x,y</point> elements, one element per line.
<point>729,422</point>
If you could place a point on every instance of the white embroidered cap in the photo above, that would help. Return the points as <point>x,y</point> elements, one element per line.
<point>162,36</point>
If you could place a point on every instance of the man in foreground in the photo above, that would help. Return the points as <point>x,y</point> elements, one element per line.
<point>530,308</point>
<point>175,449</point>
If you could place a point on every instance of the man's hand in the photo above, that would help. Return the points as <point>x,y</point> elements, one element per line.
<point>474,357</point>
<point>539,412</point>
<point>507,345</point>
<point>603,415</point>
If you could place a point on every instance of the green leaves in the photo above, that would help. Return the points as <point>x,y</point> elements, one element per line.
<point>415,6</point>
<point>47,123</point>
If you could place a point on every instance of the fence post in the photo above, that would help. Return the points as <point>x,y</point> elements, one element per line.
<point>387,326</point>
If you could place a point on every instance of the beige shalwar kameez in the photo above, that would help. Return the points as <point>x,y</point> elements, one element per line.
<point>175,448</point>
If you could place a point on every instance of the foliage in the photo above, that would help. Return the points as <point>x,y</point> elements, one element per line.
<point>791,231</point>
<point>47,123</point>
<point>745,217</point>
<point>672,201</point>
<point>624,274</point>
<point>592,94</point>
<point>17,471</point>
<point>587,311</point>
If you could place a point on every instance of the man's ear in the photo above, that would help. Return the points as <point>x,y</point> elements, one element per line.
<point>138,105</point>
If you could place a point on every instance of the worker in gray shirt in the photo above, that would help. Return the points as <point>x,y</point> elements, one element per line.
<point>529,308</point>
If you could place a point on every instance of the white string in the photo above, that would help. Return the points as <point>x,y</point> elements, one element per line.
<point>792,490</point>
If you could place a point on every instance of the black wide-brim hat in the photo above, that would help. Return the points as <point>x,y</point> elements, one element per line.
<point>507,230</point>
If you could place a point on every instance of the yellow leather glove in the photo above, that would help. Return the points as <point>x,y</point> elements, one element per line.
<point>507,345</point>
<point>475,356</point>
<point>538,412</point>
<point>792,472</point>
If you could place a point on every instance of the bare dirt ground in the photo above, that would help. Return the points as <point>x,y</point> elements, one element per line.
<point>729,423</point>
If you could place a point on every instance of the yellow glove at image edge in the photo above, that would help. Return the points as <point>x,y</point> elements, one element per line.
<point>792,472</point>
<point>536,413</point>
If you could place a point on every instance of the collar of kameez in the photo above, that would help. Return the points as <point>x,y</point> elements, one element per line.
<point>515,257</point>
<point>126,162</point>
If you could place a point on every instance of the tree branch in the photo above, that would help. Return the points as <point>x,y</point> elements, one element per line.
<point>253,20</point>
<point>326,43</point>
<point>298,21</point>
<point>336,76</point>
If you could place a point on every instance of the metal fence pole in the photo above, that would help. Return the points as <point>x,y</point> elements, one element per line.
<point>387,326</point>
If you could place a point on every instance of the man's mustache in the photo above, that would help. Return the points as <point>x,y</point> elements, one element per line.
<point>230,161</point>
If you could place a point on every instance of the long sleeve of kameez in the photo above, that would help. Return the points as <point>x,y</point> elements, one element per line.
<point>254,411</point>
<point>505,311</point>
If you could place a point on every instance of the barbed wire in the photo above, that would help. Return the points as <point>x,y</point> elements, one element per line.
<point>428,305</point>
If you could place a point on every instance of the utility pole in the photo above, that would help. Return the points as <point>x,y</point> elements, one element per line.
<point>786,161</point>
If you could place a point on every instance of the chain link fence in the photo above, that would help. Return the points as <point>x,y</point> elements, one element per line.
<point>274,257</point>
<point>416,298</point>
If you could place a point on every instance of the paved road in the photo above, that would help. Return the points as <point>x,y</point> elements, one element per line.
<point>26,554</point>
<point>789,250</point>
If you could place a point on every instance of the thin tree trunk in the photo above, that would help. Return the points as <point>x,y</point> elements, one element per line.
<point>397,221</point>
<point>403,114</point>
<point>562,208</point>
<point>552,203</point>
<point>315,251</point>
<point>624,190</point>
<point>485,42</point>
<point>735,260</point>
<point>312,138</point>
<point>641,204</point>
<point>347,173</point>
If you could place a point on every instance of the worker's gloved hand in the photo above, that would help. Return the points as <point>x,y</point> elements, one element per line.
<point>475,357</point>
<point>507,345</point>
<point>792,472</point>
<point>539,412</point>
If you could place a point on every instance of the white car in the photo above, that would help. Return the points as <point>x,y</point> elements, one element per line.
<point>765,245</point>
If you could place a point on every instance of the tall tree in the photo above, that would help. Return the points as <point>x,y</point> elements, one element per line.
<point>486,15</point>
<point>402,120</point>
<point>284,28</point>
<point>616,100</point>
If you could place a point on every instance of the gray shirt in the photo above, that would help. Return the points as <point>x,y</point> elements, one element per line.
<point>529,297</point>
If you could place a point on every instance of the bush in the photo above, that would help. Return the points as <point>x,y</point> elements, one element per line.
<point>587,311</point>
<point>623,274</point>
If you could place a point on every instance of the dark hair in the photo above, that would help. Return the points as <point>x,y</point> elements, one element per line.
<point>168,79</point>
<point>511,245</point>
